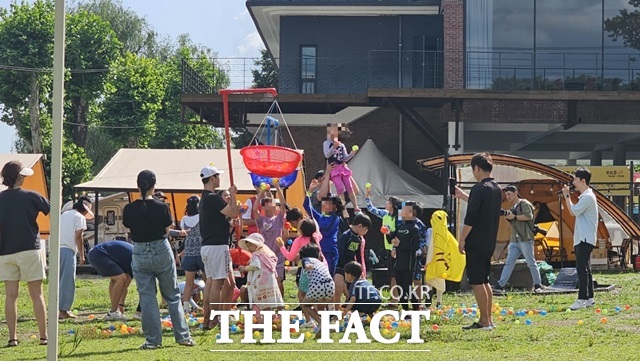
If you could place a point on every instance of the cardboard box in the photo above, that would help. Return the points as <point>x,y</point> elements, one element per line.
<point>599,253</point>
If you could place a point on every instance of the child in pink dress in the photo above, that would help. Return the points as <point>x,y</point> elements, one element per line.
<point>262,284</point>
<point>337,154</point>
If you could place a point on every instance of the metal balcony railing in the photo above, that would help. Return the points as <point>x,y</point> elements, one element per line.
<point>499,70</point>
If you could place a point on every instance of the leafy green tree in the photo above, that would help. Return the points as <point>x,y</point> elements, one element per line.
<point>267,75</point>
<point>26,40</point>
<point>170,132</point>
<point>134,92</point>
<point>625,26</point>
<point>131,30</point>
<point>91,47</point>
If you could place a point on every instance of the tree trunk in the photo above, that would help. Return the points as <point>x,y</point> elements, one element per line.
<point>80,129</point>
<point>34,114</point>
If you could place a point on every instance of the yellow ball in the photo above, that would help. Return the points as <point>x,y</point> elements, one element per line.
<point>580,322</point>
<point>368,185</point>
<point>307,335</point>
<point>355,148</point>
<point>286,307</point>
<point>256,334</point>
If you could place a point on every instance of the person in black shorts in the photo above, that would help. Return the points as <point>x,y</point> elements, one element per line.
<point>479,234</point>
<point>113,259</point>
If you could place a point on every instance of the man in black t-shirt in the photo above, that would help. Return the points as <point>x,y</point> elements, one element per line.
<point>214,228</point>
<point>479,234</point>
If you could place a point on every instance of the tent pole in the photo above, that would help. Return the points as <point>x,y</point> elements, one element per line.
<point>96,220</point>
<point>560,225</point>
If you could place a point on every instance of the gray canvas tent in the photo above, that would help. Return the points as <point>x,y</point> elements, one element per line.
<point>370,165</point>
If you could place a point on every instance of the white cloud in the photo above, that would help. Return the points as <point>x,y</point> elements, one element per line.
<point>243,15</point>
<point>251,44</point>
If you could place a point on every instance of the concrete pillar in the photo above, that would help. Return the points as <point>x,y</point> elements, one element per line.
<point>619,154</point>
<point>453,43</point>
<point>572,162</point>
<point>619,158</point>
<point>452,137</point>
<point>596,158</point>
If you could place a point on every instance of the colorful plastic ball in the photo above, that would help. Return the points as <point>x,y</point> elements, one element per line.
<point>394,325</point>
<point>580,322</point>
<point>71,332</point>
<point>368,185</point>
<point>435,327</point>
<point>517,322</point>
<point>234,328</point>
<point>218,336</point>
<point>355,148</point>
<point>385,332</point>
<point>543,313</point>
<point>603,320</point>
<point>604,312</point>
<point>307,335</point>
<point>91,317</point>
<point>618,309</point>
<point>530,313</point>
<point>627,307</point>
<point>528,322</point>
<point>598,310</point>
<point>256,334</point>
<point>568,310</point>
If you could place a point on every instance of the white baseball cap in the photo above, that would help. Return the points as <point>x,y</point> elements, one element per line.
<point>254,238</point>
<point>26,171</point>
<point>209,171</point>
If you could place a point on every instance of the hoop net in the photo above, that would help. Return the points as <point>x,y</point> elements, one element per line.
<point>270,160</point>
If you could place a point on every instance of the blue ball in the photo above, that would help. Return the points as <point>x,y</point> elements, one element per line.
<point>218,336</point>
<point>528,322</point>
<point>112,328</point>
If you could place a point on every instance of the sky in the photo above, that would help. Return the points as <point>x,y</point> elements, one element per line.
<point>223,25</point>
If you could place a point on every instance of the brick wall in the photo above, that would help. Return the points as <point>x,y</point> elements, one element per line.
<point>453,43</point>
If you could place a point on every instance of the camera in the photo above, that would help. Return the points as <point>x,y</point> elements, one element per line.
<point>537,230</point>
<point>504,212</point>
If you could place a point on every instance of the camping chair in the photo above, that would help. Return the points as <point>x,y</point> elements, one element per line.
<point>620,253</point>
<point>552,251</point>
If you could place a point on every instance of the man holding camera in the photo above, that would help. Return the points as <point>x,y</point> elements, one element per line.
<point>520,218</point>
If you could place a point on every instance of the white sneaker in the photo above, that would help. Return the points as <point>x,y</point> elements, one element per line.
<point>116,316</point>
<point>590,302</point>
<point>578,305</point>
<point>138,316</point>
<point>311,324</point>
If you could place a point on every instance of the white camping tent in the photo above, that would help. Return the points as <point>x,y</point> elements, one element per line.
<point>370,165</point>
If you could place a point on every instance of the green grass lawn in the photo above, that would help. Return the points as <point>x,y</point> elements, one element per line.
<point>554,336</point>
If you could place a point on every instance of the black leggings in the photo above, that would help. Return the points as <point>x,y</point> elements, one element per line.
<point>404,280</point>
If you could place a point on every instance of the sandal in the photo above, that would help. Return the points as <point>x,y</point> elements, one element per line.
<point>43,341</point>
<point>13,343</point>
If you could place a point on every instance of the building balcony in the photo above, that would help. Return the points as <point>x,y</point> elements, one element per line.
<point>329,84</point>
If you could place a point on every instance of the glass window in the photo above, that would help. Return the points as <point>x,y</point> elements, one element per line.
<point>308,69</point>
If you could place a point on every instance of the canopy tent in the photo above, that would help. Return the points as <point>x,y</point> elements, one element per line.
<point>370,165</point>
<point>177,172</point>
<point>37,182</point>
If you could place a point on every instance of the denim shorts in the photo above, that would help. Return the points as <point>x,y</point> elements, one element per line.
<point>192,263</point>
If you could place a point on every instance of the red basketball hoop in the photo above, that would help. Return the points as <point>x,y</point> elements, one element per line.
<point>270,160</point>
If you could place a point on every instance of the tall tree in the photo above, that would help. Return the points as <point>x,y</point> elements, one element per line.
<point>135,90</point>
<point>267,75</point>
<point>625,25</point>
<point>26,40</point>
<point>170,133</point>
<point>133,31</point>
<point>91,47</point>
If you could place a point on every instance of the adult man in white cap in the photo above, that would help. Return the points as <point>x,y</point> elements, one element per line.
<point>73,223</point>
<point>214,228</point>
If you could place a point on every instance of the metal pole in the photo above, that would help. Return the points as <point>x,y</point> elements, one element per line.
<point>602,47</point>
<point>630,203</point>
<point>535,20</point>
<point>56,178</point>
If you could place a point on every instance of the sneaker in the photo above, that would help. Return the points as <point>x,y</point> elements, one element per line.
<point>149,346</point>
<point>499,290</point>
<point>310,324</point>
<point>65,314</point>
<point>116,316</point>
<point>590,302</point>
<point>578,305</point>
<point>477,326</point>
<point>138,316</point>
<point>187,342</point>
<point>538,288</point>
